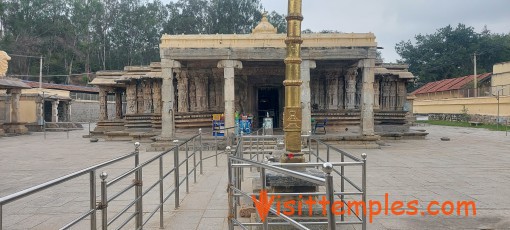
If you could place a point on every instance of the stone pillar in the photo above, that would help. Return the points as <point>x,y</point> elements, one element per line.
<point>39,110</point>
<point>103,104</point>
<point>147,95</point>
<point>131,98</point>
<point>8,107</point>
<point>140,101</point>
<point>167,91</point>
<point>367,97</point>
<point>401,94</point>
<point>54,110</point>
<point>332,90</point>
<point>201,92</point>
<point>385,102</point>
<point>68,111</point>
<point>306,107</point>
<point>377,93</point>
<point>192,91</point>
<point>118,104</point>
<point>211,89</point>
<point>156,96</point>
<point>229,94</point>
<point>350,88</point>
<point>15,96</point>
<point>219,88</point>
<point>341,92</point>
<point>393,95</point>
<point>183,93</point>
<point>359,90</point>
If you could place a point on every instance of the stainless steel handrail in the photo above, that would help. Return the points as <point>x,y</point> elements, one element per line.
<point>18,195</point>
<point>90,170</point>
<point>236,163</point>
<point>288,172</point>
<point>195,142</point>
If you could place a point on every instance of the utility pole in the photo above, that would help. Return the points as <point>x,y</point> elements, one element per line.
<point>475,80</point>
<point>40,73</point>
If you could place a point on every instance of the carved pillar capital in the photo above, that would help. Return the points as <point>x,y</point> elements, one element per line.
<point>230,64</point>
<point>169,63</point>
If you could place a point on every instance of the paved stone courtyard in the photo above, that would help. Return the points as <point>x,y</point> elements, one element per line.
<point>474,165</point>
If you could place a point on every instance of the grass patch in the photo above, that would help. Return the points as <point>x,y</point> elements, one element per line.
<point>491,127</point>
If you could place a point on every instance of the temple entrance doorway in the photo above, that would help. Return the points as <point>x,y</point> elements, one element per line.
<point>269,104</point>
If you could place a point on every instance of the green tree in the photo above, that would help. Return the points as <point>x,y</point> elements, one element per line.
<point>448,52</point>
<point>218,16</point>
<point>80,37</point>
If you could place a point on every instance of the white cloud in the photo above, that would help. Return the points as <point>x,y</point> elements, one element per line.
<point>395,20</point>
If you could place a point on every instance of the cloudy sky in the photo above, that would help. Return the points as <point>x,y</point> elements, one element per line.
<point>395,20</point>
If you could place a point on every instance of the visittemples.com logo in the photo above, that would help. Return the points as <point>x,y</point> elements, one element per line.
<point>304,206</point>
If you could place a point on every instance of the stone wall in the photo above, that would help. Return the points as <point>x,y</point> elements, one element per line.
<point>486,119</point>
<point>85,111</point>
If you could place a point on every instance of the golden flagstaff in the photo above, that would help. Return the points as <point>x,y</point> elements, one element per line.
<point>292,83</point>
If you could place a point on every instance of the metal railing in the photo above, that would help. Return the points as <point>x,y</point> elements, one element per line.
<point>92,178</point>
<point>348,160</point>
<point>229,139</point>
<point>65,129</point>
<point>237,161</point>
<point>192,149</point>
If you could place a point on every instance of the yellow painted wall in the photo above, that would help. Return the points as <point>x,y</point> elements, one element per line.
<point>480,105</point>
<point>503,67</point>
<point>501,78</point>
<point>27,111</point>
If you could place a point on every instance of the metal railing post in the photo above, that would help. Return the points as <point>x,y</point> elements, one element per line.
<point>1,217</point>
<point>92,194</point>
<point>176,175</point>
<point>265,225</point>
<point>328,168</point>
<point>342,185</point>
<point>364,188</point>
<point>240,170</point>
<point>327,154</point>
<point>309,146</point>
<point>216,148</point>
<point>200,148</point>
<point>194,161</point>
<point>230,190</point>
<point>317,156</point>
<point>161,199</point>
<point>104,202</point>
<point>251,151</point>
<point>187,168</point>
<point>138,188</point>
<point>258,149</point>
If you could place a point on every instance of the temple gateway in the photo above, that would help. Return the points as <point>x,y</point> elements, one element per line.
<point>201,75</point>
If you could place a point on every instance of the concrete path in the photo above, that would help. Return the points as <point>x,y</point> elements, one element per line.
<point>474,165</point>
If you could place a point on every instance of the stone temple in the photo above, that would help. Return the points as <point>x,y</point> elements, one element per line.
<point>201,75</point>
